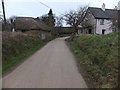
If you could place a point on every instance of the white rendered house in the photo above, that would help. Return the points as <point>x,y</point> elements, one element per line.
<point>99,20</point>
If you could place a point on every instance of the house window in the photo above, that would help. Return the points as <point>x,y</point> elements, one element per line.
<point>102,22</point>
<point>103,31</point>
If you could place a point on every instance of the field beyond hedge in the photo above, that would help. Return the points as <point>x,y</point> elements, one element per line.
<point>98,55</point>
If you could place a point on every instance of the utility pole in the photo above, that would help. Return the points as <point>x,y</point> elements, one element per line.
<point>3,11</point>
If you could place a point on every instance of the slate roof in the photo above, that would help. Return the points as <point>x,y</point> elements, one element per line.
<point>112,13</point>
<point>107,14</point>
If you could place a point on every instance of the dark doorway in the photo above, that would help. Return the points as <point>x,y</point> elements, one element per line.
<point>90,31</point>
<point>103,31</point>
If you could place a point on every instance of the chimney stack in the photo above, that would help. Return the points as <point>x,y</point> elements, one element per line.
<point>103,7</point>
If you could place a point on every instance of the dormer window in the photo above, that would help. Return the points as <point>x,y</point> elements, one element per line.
<point>102,22</point>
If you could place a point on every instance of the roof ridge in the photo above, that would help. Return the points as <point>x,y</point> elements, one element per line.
<point>24,17</point>
<point>112,9</point>
<point>101,8</point>
<point>94,7</point>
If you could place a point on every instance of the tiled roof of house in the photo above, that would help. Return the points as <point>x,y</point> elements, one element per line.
<point>112,13</point>
<point>107,14</point>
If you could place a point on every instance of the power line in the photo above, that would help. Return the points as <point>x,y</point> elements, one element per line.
<point>49,7</point>
<point>44,4</point>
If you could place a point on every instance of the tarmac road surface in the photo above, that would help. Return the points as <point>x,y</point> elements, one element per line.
<point>53,66</point>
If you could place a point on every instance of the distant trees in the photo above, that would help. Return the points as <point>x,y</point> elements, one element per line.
<point>48,19</point>
<point>74,18</point>
<point>115,21</point>
<point>59,21</point>
<point>43,18</point>
<point>9,24</point>
<point>51,18</point>
<point>11,19</point>
<point>114,24</point>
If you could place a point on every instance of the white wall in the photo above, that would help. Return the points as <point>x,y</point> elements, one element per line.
<point>97,28</point>
<point>91,20</point>
<point>119,5</point>
<point>106,26</point>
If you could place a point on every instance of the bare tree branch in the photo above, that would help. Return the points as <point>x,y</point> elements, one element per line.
<point>74,18</point>
<point>59,21</point>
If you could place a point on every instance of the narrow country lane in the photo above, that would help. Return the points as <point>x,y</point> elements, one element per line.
<point>53,66</point>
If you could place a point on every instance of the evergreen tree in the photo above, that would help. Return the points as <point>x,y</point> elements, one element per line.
<point>51,18</point>
<point>48,19</point>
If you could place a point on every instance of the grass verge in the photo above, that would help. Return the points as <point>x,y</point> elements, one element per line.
<point>98,55</point>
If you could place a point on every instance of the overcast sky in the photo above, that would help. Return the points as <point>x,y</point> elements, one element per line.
<point>33,8</point>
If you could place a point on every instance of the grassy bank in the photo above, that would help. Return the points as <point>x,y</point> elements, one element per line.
<point>98,55</point>
<point>17,46</point>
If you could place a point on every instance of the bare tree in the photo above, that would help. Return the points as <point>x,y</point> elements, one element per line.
<point>86,22</point>
<point>74,18</point>
<point>48,19</point>
<point>114,24</point>
<point>59,21</point>
<point>115,20</point>
<point>11,19</point>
